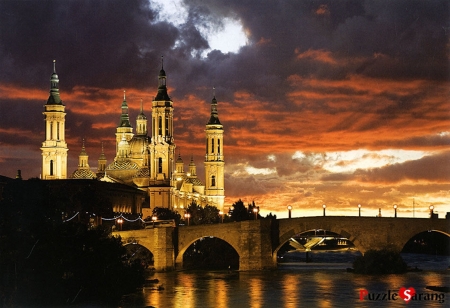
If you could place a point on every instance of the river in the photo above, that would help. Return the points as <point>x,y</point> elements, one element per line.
<point>321,283</point>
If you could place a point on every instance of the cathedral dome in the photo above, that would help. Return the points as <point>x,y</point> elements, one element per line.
<point>138,145</point>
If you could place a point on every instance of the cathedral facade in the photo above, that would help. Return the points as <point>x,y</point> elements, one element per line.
<point>148,161</point>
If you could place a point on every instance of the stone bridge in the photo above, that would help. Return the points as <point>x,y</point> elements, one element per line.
<point>258,241</point>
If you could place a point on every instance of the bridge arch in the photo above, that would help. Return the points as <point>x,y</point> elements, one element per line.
<point>364,232</point>
<point>189,235</point>
<point>209,240</point>
<point>137,251</point>
<point>433,240</point>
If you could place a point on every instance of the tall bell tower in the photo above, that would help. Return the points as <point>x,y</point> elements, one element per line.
<point>162,146</point>
<point>54,148</point>
<point>214,160</point>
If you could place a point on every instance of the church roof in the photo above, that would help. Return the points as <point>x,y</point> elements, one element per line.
<point>194,181</point>
<point>122,165</point>
<point>83,174</point>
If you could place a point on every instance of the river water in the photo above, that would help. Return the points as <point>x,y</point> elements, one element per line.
<point>321,283</point>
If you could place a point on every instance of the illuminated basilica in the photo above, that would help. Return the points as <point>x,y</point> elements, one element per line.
<point>145,161</point>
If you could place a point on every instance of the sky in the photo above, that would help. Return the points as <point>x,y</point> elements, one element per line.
<point>323,102</point>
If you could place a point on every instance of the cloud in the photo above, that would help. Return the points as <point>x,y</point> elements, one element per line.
<point>315,78</point>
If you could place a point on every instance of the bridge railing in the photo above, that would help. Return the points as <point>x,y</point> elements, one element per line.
<point>159,224</point>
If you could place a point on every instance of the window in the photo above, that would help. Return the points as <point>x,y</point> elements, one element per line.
<point>213,180</point>
<point>160,126</point>
<point>51,167</point>
<point>218,146</point>
<point>167,125</point>
<point>212,145</point>
<point>160,165</point>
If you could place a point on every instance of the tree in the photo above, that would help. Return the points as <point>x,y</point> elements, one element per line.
<point>211,214</point>
<point>239,212</point>
<point>165,214</point>
<point>382,261</point>
<point>44,261</point>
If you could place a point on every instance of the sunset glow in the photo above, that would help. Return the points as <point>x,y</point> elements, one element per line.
<point>333,102</point>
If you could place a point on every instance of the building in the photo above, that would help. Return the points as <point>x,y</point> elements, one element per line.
<point>54,148</point>
<point>144,161</point>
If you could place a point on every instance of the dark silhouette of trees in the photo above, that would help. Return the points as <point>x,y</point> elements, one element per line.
<point>240,212</point>
<point>47,262</point>
<point>202,215</point>
<point>165,214</point>
<point>382,261</point>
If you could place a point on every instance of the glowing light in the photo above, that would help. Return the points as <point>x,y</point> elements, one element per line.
<point>264,171</point>
<point>228,36</point>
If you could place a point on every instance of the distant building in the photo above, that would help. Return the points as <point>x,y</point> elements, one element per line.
<point>54,148</point>
<point>143,161</point>
<point>71,196</point>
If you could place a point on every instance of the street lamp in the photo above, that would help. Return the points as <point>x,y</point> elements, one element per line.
<point>289,210</point>
<point>221,215</point>
<point>255,210</point>
<point>120,222</point>
<point>395,209</point>
<point>324,207</point>
<point>359,209</point>
<point>187,216</point>
<point>431,211</point>
<point>154,218</point>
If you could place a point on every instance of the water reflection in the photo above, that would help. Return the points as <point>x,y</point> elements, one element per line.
<point>255,292</point>
<point>291,286</point>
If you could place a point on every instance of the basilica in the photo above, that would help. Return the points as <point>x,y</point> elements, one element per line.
<point>142,160</point>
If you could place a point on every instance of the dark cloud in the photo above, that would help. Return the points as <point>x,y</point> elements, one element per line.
<point>315,76</point>
<point>432,168</point>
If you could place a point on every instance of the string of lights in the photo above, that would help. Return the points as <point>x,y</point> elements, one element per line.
<point>109,219</point>
<point>71,217</point>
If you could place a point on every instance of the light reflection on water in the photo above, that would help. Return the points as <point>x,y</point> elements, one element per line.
<point>292,285</point>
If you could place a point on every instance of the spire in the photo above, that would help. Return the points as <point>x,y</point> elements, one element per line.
<point>162,88</point>
<point>124,118</point>
<point>141,115</point>
<point>54,98</point>
<point>83,149</point>
<point>102,154</point>
<point>214,119</point>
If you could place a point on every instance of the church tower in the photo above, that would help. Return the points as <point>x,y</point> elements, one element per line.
<point>214,160</point>
<point>162,146</point>
<point>101,164</point>
<point>124,128</point>
<point>141,122</point>
<point>54,148</point>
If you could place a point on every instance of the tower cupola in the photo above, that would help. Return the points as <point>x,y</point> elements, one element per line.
<point>124,118</point>
<point>54,98</point>
<point>162,84</point>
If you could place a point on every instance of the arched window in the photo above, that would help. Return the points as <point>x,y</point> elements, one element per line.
<point>213,180</point>
<point>212,145</point>
<point>51,167</point>
<point>167,125</point>
<point>160,165</point>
